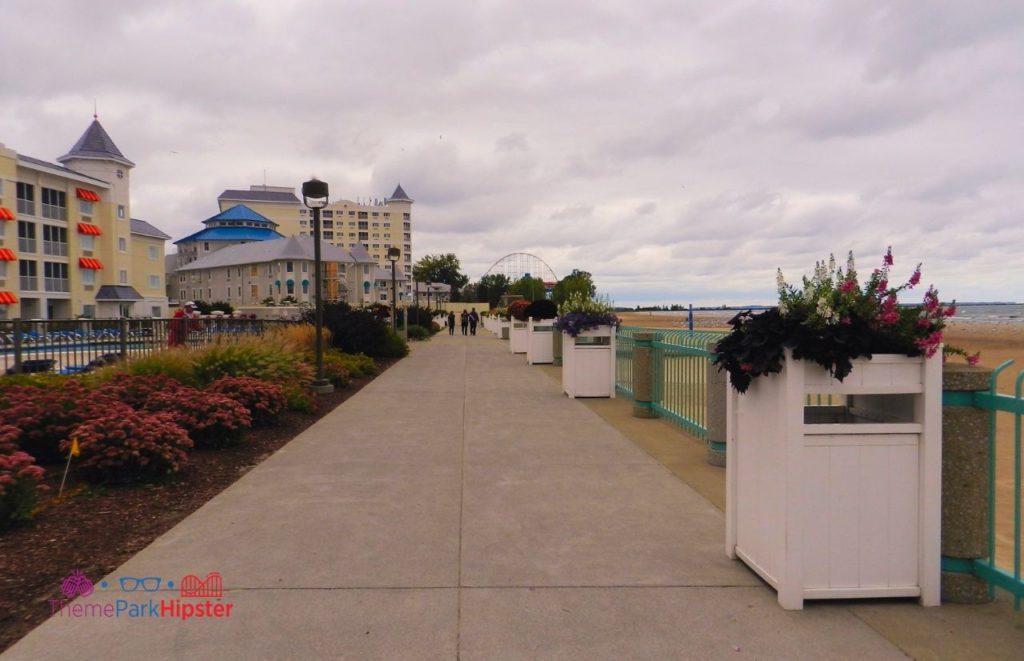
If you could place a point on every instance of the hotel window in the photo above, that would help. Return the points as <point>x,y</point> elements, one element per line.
<point>328,214</point>
<point>375,214</point>
<point>89,277</point>
<point>152,252</point>
<point>87,242</point>
<point>120,174</point>
<point>228,270</point>
<point>289,267</point>
<point>206,246</point>
<point>239,291</point>
<point>329,235</point>
<point>55,241</point>
<point>3,270</point>
<point>351,213</point>
<point>122,277</point>
<point>26,199</point>
<point>54,204</point>
<point>254,290</point>
<point>405,216</point>
<point>154,282</point>
<point>387,214</point>
<point>85,207</point>
<point>120,211</point>
<point>270,269</point>
<point>305,267</point>
<point>363,236</point>
<point>55,276</point>
<point>254,270</point>
<point>26,236</point>
<point>122,244</point>
<point>363,225</point>
<point>28,274</point>
<point>328,224</point>
<point>362,215</point>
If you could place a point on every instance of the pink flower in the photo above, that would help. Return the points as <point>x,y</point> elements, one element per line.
<point>883,285</point>
<point>950,311</point>
<point>845,321</point>
<point>916,277</point>
<point>848,286</point>
<point>887,260</point>
<point>746,367</point>
<point>975,359</point>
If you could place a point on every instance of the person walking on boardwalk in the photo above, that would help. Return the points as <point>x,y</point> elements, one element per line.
<point>464,318</point>
<point>474,319</point>
<point>180,325</point>
<point>451,323</point>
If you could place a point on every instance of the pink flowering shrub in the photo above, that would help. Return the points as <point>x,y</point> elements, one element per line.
<point>135,389</point>
<point>130,446</point>
<point>210,420</point>
<point>19,480</point>
<point>46,414</point>
<point>832,320</point>
<point>265,401</point>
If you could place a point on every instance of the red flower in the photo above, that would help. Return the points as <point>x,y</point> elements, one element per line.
<point>887,260</point>
<point>848,286</point>
<point>746,367</point>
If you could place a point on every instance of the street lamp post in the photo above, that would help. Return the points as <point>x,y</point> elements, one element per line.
<point>393,255</point>
<point>315,196</point>
<point>429,285</point>
<point>437,294</point>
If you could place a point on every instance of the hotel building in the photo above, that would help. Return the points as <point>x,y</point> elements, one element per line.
<point>376,225</point>
<point>68,244</point>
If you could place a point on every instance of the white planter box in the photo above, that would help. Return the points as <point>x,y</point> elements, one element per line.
<point>833,503</point>
<point>588,363</point>
<point>538,343</point>
<point>519,334</point>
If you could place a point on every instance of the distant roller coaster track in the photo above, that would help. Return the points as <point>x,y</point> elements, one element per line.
<point>515,265</point>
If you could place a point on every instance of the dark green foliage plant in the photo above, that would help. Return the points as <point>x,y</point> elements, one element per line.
<point>541,309</point>
<point>418,333</point>
<point>358,331</point>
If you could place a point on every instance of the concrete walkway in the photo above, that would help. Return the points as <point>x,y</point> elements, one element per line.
<point>459,507</point>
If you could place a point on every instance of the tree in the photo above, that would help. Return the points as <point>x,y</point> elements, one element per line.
<point>491,288</point>
<point>441,268</point>
<point>529,288</point>
<point>577,281</point>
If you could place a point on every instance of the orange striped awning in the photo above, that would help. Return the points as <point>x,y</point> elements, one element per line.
<point>87,195</point>
<point>89,229</point>
<point>5,214</point>
<point>90,263</point>
<point>7,255</point>
<point>7,298</point>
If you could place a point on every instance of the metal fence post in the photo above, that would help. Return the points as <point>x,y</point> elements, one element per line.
<point>17,345</point>
<point>642,375</point>
<point>718,393</point>
<point>124,339</point>
<point>965,484</point>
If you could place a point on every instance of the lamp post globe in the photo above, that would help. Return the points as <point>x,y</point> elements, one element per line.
<point>315,194</point>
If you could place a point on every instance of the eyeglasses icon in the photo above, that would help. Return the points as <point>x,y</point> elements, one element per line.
<point>148,584</point>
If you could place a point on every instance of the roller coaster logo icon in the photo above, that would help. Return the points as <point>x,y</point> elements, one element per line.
<point>211,588</point>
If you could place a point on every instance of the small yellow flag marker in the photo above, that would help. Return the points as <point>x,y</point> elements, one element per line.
<point>75,451</point>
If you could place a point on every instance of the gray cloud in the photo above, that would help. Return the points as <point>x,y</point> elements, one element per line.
<point>678,151</point>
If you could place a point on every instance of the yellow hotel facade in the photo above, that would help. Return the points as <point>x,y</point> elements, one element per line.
<point>69,247</point>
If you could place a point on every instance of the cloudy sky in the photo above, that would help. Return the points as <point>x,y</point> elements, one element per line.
<point>680,150</point>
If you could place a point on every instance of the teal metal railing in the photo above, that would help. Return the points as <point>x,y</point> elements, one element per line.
<point>624,359</point>
<point>679,360</point>
<point>996,570</point>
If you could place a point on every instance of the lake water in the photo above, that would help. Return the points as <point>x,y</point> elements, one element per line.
<point>1012,313</point>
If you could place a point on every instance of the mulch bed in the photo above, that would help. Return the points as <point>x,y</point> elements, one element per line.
<point>96,529</point>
